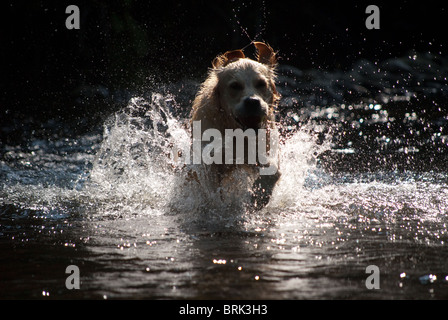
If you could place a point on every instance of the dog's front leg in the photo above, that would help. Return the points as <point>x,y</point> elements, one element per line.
<point>263,188</point>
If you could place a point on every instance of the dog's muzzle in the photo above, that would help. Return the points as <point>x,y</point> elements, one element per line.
<point>252,114</point>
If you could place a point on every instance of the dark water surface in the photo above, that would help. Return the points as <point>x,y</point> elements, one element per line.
<point>365,182</point>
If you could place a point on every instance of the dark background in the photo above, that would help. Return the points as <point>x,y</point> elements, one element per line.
<point>126,47</point>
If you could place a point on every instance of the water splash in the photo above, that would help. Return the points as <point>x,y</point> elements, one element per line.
<point>135,168</point>
<point>260,8</point>
<point>131,170</point>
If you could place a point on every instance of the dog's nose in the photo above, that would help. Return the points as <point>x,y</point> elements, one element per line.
<point>252,114</point>
<point>252,105</point>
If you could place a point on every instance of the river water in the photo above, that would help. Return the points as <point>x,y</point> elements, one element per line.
<point>364,183</point>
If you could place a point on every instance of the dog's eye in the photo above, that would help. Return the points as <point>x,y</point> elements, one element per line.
<point>260,84</point>
<point>236,86</point>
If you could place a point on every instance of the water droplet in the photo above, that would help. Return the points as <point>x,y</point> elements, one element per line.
<point>427,278</point>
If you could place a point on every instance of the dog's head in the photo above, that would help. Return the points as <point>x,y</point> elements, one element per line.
<point>246,88</point>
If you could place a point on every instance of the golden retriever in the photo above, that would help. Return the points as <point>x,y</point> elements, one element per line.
<point>240,93</point>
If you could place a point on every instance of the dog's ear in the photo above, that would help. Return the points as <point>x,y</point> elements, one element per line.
<point>224,59</point>
<point>265,54</point>
<point>275,95</point>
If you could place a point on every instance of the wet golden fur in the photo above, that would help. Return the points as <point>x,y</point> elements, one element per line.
<point>219,103</point>
<point>210,105</point>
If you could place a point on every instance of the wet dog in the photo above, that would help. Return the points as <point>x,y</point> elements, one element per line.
<point>240,93</point>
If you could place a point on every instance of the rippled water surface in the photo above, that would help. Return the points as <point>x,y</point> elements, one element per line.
<point>362,184</point>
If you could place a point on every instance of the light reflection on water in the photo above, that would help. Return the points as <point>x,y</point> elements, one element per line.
<point>106,205</point>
